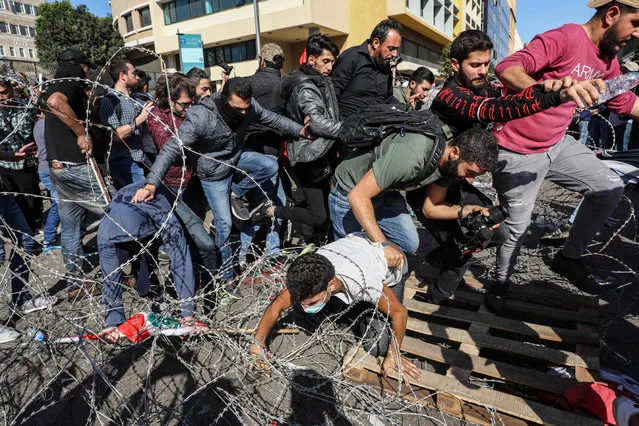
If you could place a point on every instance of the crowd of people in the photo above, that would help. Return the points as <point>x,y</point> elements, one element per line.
<point>268,149</point>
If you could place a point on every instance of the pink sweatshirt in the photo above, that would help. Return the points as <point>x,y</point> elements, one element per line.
<point>554,55</point>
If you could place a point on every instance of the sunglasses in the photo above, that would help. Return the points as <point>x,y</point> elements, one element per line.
<point>185,105</point>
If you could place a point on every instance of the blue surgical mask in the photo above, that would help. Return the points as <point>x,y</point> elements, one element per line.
<point>316,308</point>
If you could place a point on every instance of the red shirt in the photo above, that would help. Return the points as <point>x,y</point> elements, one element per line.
<point>554,55</point>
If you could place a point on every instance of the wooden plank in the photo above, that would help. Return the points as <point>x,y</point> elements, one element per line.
<point>547,312</point>
<point>488,319</point>
<point>471,412</point>
<point>554,356</point>
<point>467,348</point>
<point>487,367</point>
<point>543,295</point>
<point>509,404</point>
<point>584,374</point>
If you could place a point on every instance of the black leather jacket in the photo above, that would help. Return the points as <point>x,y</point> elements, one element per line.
<point>308,93</point>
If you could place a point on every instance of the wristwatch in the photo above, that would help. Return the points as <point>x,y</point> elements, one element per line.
<point>460,213</point>
<point>386,244</point>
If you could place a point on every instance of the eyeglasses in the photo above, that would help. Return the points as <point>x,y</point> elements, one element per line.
<point>185,105</point>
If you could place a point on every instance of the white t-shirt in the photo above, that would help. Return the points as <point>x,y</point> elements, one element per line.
<point>361,266</point>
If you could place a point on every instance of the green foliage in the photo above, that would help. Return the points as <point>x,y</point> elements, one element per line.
<point>60,26</point>
<point>446,70</point>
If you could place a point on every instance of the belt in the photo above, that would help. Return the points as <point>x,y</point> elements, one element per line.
<point>337,188</point>
<point>58,165</point>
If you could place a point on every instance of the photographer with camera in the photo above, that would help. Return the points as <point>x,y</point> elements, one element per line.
<point>462,221</point>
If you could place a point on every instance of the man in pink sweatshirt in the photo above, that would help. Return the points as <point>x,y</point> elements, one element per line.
<point>537,147</point>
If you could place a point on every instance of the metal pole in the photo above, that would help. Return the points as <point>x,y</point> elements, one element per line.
<point>256,12</point>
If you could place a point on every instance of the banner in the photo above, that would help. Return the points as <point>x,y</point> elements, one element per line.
<point>191,52</point>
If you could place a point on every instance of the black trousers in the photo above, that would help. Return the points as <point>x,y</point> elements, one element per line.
<point>26,182</point>
<point>452,263</point>
<point>314,213</point>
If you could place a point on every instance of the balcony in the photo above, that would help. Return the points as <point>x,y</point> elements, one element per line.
<point>434,19</point>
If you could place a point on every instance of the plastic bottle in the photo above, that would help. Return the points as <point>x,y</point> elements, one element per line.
<point>37,335</point>
<point>618,85</point>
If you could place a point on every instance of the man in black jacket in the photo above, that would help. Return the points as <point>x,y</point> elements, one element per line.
<point>362,74</point>
<point>309,92</point>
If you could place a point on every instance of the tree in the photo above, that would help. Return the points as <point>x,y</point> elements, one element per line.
<point>60,26</point>
<point>446,70</point>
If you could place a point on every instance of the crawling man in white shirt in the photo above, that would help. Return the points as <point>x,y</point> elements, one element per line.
<point>353,269</point>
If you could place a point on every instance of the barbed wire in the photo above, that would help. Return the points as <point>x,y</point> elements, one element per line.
<point>203,379</point>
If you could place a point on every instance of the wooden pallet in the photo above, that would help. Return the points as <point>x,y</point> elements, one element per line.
<point>539,329</point>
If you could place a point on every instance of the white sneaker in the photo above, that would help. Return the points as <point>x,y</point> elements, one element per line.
<point>8,334</point>
<point>36,304</point>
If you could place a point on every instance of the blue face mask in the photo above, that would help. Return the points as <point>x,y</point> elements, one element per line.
<point>316,308</point>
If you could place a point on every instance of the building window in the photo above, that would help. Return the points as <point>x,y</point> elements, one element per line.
<point>21,51</point>
<point>19,7</point>
<point>236,52</point>
<point>12,51</point>
<point>31,55</point>
<point>4,27</point>
<point>14,29</point>
<point>32,31</point>
<point>28,9</point>
<point>128,20</point>
<point>1,50</point>
<point>3,5</point>
<point>181,10</point>
<point>145,16</point>
<point>35,10</point>
<point>24,30</point>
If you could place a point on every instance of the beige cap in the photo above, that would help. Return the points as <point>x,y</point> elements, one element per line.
<point>270,50</point>
<point>597,3</point>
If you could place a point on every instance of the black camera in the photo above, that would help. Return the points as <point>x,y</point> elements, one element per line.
<point>475,228</point>
<point>226,67</point>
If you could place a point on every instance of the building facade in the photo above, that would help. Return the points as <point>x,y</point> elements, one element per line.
<point>17,34</point>
<point>497,24</point>
<point>227,28</point>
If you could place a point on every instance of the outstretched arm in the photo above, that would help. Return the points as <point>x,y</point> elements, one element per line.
<point>259,348</point>
<point>390,305</point>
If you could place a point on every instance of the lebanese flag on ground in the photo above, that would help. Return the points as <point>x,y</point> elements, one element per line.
<point>140,327</point>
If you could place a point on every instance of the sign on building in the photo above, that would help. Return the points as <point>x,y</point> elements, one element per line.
<point>191,52</point>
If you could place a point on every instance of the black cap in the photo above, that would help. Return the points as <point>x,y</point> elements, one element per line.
<point>74,56</point>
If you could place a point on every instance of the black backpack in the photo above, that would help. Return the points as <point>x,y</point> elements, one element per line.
<point>368,128</point>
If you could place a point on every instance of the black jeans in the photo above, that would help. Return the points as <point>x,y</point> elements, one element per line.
<point>447,256</point>
<point>315,212</point>
<point>25,182</point>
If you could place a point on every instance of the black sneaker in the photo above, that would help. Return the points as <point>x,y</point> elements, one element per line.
<point>259,213</point>
<point>496,296</point>
<point>575,271</point>
<point>240,208</point>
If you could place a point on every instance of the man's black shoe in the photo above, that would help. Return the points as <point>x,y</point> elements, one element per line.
<point>259,213</point>
<point>575,271</point>
<point>240,208</point>
<point>496,296</point>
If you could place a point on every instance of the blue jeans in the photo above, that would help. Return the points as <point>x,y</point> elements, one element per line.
<point>78,194</point>
<point>260,168</point>
<point>53,218</point>
<point>392,216</point>
<point>275,190</point>
<point>125,171</point>
<point>13,218</point>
